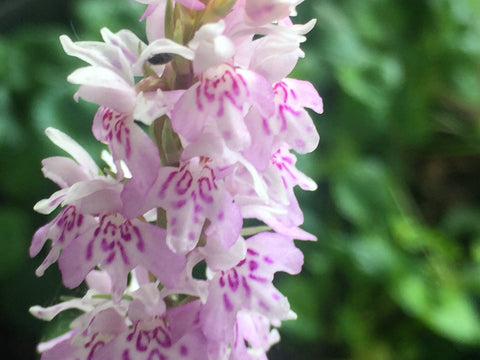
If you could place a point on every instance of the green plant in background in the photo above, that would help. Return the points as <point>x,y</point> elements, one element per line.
<point>400,161</point>
<point>395,273</point>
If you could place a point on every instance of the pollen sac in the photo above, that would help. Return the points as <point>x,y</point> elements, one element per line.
<point>160,59</point>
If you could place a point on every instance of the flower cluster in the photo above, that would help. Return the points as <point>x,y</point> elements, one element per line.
<point>200,124</point>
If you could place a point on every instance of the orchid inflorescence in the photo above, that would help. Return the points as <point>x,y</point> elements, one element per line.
<point>178,238</point>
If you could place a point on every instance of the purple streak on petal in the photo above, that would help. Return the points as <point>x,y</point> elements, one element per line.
<point>244,83</point>
<point>227,303</point>
<point>258,278</point>
<point>155,354</point>
<point>94,348</point>
<point>162,337</point>
<point>140,242</point>
<point>241,262</point>
<point>206,85</point>
<point>280,89</point>
<point>89,343</point>
<point>294,95</point>
<point>163,189</point>
<point>185,182</point>
<point>205,186</point>
<point>245,285</point>
<point>132,334</point>
<point>233,280</point>
<point>265,126</point>
<point>110,257</point>
<point>252,252</point>
<point>143,340</point>
<point>89,253</point>
<point>198,101</point>
<point>125,355</point>
<point>56,200</point>
<point>125,258</point>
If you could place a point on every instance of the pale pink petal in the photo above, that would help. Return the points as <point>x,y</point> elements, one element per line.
<point>192,4</point>
<point>98,54</point>
<point>78,153</point>
<point>125,40</point>
<point>211,47</point>
<point>155,24</point>
<point>68,225</point>
<point>104,87</point>
<point>129,144</point>
<point>266,11</point>
<point>118,246</point>
<point>63,171</point>
<point>248,285</point>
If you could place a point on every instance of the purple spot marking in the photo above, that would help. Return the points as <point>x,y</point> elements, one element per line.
<point>252,265</point>
<point>107,246</point>
<point>221,216</point>
<point>300,143</point>
<point>227,135</point>
<point>79,220</point>
<point>183,350</point>
<point>263,305</point>
<point>267,260</point>
<point>178,204</point>
<point>125,355</point>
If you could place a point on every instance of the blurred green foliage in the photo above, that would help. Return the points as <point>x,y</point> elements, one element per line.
<point>395,273</point>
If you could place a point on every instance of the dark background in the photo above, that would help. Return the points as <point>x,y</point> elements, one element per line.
<point>396,271</point>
